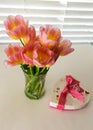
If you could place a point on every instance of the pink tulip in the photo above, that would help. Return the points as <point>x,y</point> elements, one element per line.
<point>49,36</point>
<point>16,27</point>
<point>30,36</point>
<point>44,57</point>
<point>65,47</point>
<point>14,54</point>
<point>27,54</point>
<point>35,54</point>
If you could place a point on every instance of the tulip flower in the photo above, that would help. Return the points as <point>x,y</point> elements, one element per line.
<point>30,35</point>
<point>65,47</point>
<point>16,27</point>
<point>49,36</point>
<point>27,54</point>
<point>14,54</point>
<point>35,54</point>
<point>43,57</point>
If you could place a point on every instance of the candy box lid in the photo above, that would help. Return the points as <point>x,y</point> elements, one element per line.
<point>67,96</point>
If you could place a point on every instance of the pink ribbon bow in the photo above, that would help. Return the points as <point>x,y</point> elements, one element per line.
<point>72,87</point>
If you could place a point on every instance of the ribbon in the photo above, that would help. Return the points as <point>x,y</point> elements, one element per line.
<point>72,87</point>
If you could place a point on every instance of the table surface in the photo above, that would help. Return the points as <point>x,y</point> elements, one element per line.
<point>17,112</point>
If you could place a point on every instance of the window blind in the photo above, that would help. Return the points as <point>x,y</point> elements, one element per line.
<point>74,18</point>
<point>78,21</point>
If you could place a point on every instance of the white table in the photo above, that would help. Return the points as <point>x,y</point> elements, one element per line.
<point>17,112</point>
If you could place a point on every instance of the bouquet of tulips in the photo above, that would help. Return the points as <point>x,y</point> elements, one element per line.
<point>35,53</point>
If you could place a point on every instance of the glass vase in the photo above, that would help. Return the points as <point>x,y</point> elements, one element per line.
<point>34,85</point>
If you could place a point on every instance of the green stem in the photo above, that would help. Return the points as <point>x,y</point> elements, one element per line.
<point>23,68</point>
<point>21,42</point>
<point>37,70</point>
<point>31,71</point>
<point>44,70</point>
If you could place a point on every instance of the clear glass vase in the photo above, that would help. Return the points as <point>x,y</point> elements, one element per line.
<point>34,85</point>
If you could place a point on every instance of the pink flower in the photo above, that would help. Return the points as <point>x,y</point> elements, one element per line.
<point>14,54</point>
<point>30,36</point>
<point>49,36</point>
<point>65,47</point>
<point>43,56</point>
<point>27,54</point>
<point>35,54</point>
<point>16,27</point>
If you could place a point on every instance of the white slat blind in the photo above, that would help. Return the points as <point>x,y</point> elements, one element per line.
<point>78,23</point>
<point>74,18</point>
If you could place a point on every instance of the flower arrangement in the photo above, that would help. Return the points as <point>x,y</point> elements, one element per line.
<point>35,53</point>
